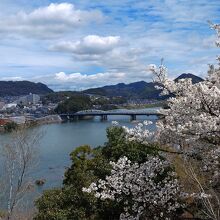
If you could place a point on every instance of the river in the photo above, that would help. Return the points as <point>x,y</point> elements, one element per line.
<point>59,140</point>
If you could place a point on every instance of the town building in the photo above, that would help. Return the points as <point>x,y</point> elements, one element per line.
<point>18,119</point>
<point>4,121</point>
<point>31,99</point>
<point>2,104</point>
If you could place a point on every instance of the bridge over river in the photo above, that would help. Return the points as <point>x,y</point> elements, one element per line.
<point>104,114</point>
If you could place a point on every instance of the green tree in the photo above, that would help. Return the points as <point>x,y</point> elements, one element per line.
<point>89,165</point>
<point>117,146</point>
<point>10,126</point>
<point>74,104</point>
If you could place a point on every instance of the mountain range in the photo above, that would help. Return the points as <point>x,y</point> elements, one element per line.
<point>136,90</point>
<point>140,90</point>
<point>19,88</point>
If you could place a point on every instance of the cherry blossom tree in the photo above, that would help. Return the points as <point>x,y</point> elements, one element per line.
<point>148,191</point>
<point>191,128</point>
<point>191,125</point>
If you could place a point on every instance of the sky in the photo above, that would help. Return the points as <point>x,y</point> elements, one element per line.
<point>79,44</point>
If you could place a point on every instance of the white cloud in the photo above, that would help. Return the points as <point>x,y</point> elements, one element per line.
<point>110,52</point>
<point>50,21</point>
<point>91,44</point>
<point>93,78</point>
<point>79,81</point>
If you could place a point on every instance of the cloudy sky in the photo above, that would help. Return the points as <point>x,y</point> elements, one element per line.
<point>77,44</point>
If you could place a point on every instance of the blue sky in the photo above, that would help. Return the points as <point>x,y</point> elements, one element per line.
<point>78,44</point>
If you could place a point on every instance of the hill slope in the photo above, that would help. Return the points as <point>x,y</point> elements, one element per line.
<point>140,90</point>
<point>17,88</point>
<point>195,79</point>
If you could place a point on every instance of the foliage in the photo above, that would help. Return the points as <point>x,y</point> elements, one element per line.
<point>118,145</point>
<point>156,104</point>
<point>192,125</point>
<point>10,126</point>
<point>71,102</point>
<point>74,104</point>
<point>57,97</point>
<point>148,190</point>
<point>3,214</point>
<point>105,104</point>
<point>191,128</point>
<point>89,165</point>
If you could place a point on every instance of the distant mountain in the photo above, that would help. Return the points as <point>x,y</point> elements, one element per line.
<point>195,79</point>
<point>17,88</point>
<point>140,90</point>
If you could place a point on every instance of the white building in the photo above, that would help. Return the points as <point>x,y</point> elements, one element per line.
<point>2,104</point>
<point>18,119</point>
<point>9,106</point>
<point>29,99</point>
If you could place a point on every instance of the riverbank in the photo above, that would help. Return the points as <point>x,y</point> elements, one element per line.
<point>49,119</point>
<point>161,104</point>
<point>60,139</point>
<point>30,122</point>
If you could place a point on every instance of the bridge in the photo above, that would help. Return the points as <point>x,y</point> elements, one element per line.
<point>104,114</point>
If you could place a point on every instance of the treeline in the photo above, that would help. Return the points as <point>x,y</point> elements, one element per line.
<point>57,97</point>
<point>74,104</point>
<point>71,102</point>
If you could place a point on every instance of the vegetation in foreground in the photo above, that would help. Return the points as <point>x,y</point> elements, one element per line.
<point>88,165</point>
<point>18,158</point>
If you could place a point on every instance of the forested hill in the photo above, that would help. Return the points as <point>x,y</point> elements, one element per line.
<point>140,90</point>
<point>195,79</point>
<point>17,88</point>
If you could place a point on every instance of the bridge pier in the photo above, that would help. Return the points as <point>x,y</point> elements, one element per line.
<point>133,117</point>
<point>104,117</point>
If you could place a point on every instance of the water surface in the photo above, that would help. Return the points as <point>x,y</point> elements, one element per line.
<point>59,140</point>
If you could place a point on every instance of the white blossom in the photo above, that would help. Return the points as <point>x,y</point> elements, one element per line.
<point>139,133</point>
<point>149,189</point>
<point>191,123</point>
<point>194,113</point>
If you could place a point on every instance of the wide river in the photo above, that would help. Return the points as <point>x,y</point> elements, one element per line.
<point>59,140</point>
